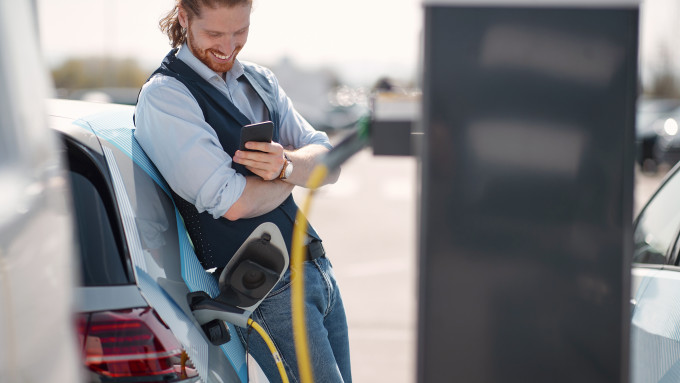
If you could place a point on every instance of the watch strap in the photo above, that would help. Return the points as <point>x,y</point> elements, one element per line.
<point>282,175</point>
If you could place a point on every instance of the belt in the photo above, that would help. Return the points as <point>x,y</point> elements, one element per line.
<point>315,250</point>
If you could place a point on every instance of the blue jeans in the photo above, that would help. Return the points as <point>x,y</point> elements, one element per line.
<point>326,327</point>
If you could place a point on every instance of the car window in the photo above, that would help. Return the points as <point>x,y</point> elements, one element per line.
<point>102,256</point>
<point>155,219</point>
<point>657,226</point>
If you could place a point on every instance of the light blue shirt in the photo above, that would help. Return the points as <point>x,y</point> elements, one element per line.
<point>185,149</point>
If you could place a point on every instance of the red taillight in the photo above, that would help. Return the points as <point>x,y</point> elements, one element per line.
<point>132,343</point>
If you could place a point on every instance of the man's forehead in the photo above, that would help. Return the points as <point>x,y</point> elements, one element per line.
<point>224,18</point>
<point>213,8</point>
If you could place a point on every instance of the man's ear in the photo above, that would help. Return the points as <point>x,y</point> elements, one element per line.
<point>183,17</point>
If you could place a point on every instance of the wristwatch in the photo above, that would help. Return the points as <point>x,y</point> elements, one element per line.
<point>287,169</point>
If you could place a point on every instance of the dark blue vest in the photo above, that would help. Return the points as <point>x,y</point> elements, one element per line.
<point>216,240</point>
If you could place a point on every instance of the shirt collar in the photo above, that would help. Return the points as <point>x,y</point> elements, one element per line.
<point>206,73</point>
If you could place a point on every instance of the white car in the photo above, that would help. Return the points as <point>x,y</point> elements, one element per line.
<point>655,301</point>
<point>136,260</point>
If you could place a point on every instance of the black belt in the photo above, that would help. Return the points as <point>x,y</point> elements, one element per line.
<point>315,250</point>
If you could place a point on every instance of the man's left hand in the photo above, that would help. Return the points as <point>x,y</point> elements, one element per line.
<point>267,163</point>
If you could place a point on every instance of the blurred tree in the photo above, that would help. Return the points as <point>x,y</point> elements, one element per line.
<point>664,82</point>
<point>87,73</point>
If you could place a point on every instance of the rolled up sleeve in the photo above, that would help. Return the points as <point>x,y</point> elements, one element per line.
<point>171,129</point>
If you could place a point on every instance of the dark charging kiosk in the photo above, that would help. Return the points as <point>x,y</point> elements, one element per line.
<point>527,190</point>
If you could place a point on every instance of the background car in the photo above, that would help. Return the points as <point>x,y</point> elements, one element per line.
<point>667,146</point>
<point>653,129</point>
<point>136,260</point>
<point>655,293</point>
<point>37,336</point>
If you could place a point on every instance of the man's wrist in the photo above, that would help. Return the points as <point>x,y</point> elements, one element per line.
<point>287,168</point>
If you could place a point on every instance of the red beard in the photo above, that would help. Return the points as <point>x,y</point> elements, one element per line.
<point>207,58</point>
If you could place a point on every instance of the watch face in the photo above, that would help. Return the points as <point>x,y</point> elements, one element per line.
<point>289,170</point>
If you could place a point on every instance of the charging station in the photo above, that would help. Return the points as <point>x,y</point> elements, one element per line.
<point>526,208</point>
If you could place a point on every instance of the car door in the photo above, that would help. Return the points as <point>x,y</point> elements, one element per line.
<point>655,303</point>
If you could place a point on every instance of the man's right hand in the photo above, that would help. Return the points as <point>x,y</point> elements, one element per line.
<point>266,163</point>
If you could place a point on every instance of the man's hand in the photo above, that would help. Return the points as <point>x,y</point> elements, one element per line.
<point>267,163</point>
<point>265,192</point>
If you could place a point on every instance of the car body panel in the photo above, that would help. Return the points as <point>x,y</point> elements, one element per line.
<point>164,263</point>
<point>100,298</point>
<point>655,327</point>
<point>37,255</point>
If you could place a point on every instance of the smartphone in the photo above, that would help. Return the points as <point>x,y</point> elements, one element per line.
<point>260,132</point>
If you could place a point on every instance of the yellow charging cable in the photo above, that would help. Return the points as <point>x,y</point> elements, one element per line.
<point>272,348</point>
<point>298,277</point>
<point>344,150</point>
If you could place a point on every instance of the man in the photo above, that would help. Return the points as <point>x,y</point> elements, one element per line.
<point>188,118</point>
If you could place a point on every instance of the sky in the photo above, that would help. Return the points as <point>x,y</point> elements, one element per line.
<point>360,39</point>
<point>659,30</point>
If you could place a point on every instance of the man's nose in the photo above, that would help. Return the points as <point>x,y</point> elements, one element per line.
<point>227,45</point>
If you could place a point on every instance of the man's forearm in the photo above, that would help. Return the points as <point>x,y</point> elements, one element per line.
<point>259,197</point>
<point>304,160</point>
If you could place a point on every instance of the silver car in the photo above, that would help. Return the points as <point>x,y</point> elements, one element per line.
<point>37,336</point>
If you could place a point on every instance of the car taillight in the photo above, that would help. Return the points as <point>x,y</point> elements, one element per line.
<point>133,343</point>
